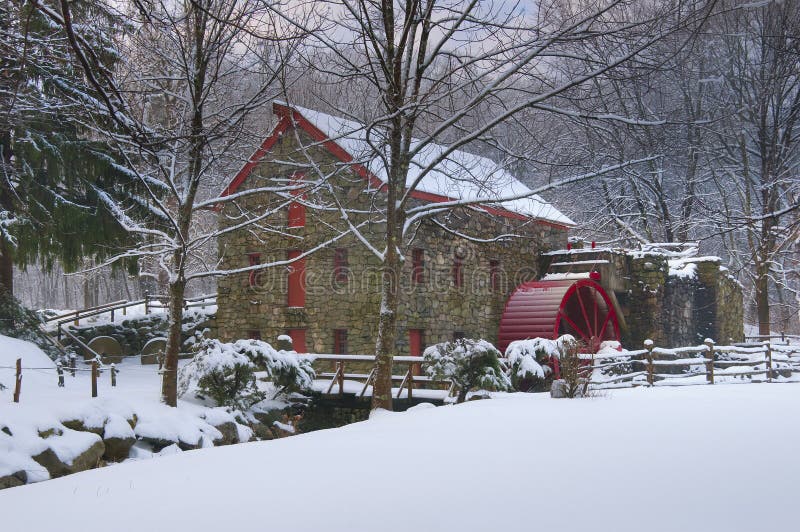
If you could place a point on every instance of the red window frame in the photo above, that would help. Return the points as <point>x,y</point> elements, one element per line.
<point>298,337</point>
<point>494,274</point>
<point>296,290</point>
<point>458,271</point>
<point>416,346</point>
<point>254,334</point>
<point>341,265</point>
<point>297,211</point>
<point>253,259</point>
<point>340,341</point>
<point>418,265</point>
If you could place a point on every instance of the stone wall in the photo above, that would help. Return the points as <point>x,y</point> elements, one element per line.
<point>435,306</point>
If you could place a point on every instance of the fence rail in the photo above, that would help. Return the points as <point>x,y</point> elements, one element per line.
<point>644,367</point>
<point>150,301</point>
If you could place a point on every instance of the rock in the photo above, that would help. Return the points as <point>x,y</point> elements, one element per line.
<point>6,430</point>
<point>229,433</point>
<point>88,459</point>
<point>77,424</point>
<point>157,444</point>
<point>117,449</point>
<point>53,431</point>
<point>48,460</point>
<point>559,389</point>
<point>184,446</point>
<point>263,432</point>
<point>13,480</point>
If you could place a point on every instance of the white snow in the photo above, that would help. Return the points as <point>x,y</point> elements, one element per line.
<point>660,459</point>
<point>460,176</point>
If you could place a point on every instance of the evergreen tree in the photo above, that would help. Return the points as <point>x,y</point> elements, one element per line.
<point>52,168</point>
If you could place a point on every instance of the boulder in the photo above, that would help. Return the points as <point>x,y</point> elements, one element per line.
<point>558,390</point>
<point>77,424</point>
<point>50,461</point>
<point>117,449</point>
<point>88,459</point>
<point>229,433</point>
<point>13,480</point>
<point>262,431</point>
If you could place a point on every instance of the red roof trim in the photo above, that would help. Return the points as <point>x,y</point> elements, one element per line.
<point>259,154</point>
<point>289,116</point>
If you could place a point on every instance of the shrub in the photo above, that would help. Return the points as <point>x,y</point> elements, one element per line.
<point>575,371</point>
<point>469,364</point>
<point>226,372</point>
<point>529,362</point>
<point>222,373</point>
<point>287,371</point>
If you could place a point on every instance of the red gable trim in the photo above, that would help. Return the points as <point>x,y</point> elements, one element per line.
<point>291,116</point>
<point>259,154</point>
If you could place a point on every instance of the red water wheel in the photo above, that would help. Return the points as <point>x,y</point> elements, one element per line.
<point>549,309</point>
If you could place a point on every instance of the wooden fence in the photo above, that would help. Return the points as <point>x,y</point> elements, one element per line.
<point>656,366</point>
<point>117,308</point>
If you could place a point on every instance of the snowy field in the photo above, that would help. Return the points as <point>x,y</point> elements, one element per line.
<point>698,458</point>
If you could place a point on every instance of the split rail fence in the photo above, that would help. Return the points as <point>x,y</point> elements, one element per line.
<point>656,366</point>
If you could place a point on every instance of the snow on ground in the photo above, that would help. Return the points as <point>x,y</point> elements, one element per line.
<point>705,458</point>
<point>44,405</point>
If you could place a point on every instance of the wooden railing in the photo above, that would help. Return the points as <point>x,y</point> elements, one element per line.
<point>407,380</point>
<point>150,302</point>
<point>650,366</point>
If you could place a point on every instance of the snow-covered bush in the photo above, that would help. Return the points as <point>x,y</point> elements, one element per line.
<point>225,372</point>
<point>529,361</point>
<point>288,372</point>
<point>468,363</point>
<point>220,371</point>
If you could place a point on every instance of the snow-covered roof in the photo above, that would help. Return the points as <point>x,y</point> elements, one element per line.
<point>460,176</point>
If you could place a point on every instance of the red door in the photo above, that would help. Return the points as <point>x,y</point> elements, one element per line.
<point>298,337</point>
<point>297,280</point>
<point>416,345</point>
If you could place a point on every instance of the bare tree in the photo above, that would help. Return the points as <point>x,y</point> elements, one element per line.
<point>195,73</point>
<point>434,77</point>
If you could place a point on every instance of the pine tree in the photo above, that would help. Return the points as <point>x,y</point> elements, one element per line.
<point>51,167</point>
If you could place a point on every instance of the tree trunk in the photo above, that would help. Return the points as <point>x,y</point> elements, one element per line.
<point>762,299</point>
<point>6,268</point>
<point>387,331</point>
<point>169,382</point>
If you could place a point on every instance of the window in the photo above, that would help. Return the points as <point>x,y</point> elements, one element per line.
<point>494,275</point>
<point>418,266</point>
<point>253,259</point>
<point>296,295</point>
<point>298,337</point>
<point>340,265</point>
<point>297,211</point>
<point>458,335</point>
<point>340,341</point>
<point>254,334</point>
<point>458,271</point>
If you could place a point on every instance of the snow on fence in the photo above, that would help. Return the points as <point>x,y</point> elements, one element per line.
<point>150,302</point>
<point>656,366</point>
<point>365,380</point>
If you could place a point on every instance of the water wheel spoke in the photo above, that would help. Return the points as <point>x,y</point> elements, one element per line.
<point>575,327</point>
<point>585,314</point>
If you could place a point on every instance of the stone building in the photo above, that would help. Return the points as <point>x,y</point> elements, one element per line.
<point>457,274</point>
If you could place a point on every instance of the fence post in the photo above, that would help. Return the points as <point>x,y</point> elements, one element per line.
<point>769,362</point>
<point>710,364</point>
<point>341,378</point>
<point>124,311</point>
<point>60,370</point>
<point>18,382</point>
<point>72,358</point>
<point>112,315</point>
<point>94,378</point>
<point>113,375</point>
<point>648,344</point>
<point>147,302</point>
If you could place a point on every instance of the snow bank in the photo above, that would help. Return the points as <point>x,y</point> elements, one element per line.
<point>474,467</point>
